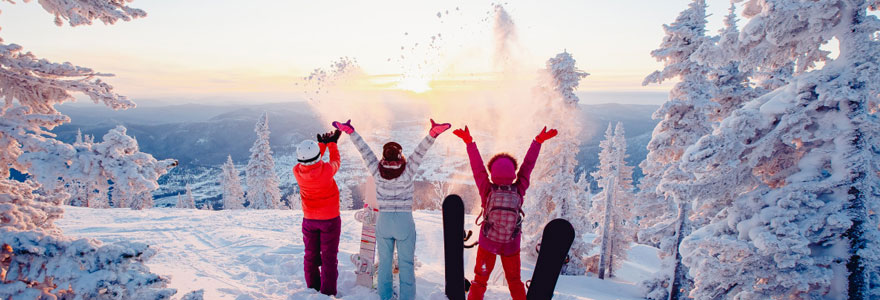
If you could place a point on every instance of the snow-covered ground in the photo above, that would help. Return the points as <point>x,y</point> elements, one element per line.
<point>249,254</point>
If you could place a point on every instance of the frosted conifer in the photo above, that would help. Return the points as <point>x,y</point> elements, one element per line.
<point>793,219</point>
<point>233,194</point>
<point>684,118</point>
<point>262,182</point>
<point>38,261</point>
<point>188,201</point>
<point>621,230</point>
<point>553,193</point>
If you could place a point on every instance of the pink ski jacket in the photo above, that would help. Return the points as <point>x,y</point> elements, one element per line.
<point>484,185</point>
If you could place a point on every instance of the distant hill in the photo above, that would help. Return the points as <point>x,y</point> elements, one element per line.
<point>200,136</point>
<point>184,132</point>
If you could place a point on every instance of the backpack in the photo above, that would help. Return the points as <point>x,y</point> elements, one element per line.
<point>502,215</point>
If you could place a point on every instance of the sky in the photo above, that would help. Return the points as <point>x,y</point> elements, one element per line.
<point>220,50</point>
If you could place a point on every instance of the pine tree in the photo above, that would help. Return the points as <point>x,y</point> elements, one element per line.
<point>683,120</point>
<point>346,200</point>
<point>440,189</point>
<point>262,182</point>
<point>553,190</point>
<point>617,237</point>
<point>187,201</point>
<point>807,156</point>
<point>580,252</point>
<point>38,261</point>
<point>295,200</point>
<point>732,82</point>
<point>230,183</point>
<point>117,159</point>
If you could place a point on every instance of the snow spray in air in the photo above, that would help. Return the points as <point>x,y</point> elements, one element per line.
<point>505,112</point>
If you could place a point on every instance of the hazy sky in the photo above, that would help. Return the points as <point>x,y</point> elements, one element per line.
<point>219,49</point>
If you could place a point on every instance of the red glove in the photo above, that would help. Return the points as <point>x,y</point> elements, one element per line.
<point>465,135</point>
<point>437,129</point>
<point>344,127</point>
<point>545,135</point>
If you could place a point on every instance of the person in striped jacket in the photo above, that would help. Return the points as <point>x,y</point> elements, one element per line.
<point>394,175</point>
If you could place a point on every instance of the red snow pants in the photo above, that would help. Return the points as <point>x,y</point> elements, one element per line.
<point>483,268</point>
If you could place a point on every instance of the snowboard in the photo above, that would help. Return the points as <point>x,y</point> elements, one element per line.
<point>364,261</point>
<point>555,243</point>
<point>453,246</point>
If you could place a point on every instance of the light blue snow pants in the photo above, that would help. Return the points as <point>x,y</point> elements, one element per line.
<point>396,229</point>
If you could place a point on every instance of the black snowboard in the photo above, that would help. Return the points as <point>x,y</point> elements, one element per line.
<point>453,246</point>
<point>555,243</point>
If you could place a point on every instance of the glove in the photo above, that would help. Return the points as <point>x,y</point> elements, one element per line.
<point>345,127</point>
<point>332,137</point>
<point>320,139</point>
<point>465,135</point>
<point>437,129</point>
<point>545,135</point>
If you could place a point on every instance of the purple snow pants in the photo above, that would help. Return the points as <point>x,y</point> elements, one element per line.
<point>321,238</point>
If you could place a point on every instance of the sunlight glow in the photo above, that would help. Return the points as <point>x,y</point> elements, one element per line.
<point>414,84</point>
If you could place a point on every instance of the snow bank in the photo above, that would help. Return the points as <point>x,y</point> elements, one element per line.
<point>257,254</point>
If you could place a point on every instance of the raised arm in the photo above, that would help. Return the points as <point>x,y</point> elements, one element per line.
<point>481,176</point>
<point>331,139</point>
<point>523,177</point>
<point>414,160</point>
<point>370,158</point>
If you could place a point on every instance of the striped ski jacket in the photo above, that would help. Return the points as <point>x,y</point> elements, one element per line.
<point>394,195</point>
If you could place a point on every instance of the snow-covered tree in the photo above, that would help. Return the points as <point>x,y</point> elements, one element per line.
<point>117,159</point>
<point>580,252</point>
<point>83,191</point>
<point>732,82</point>
<point>434,200</point>
<point>553,182</point>
<point>684,118</point>
<point>614,209</point>
<point>262,182</point>
<point>807,155</point>
<point>295,199</point>
<point>346,199</point>
<point>188,201</point>
<point>36,260</point>
<point>230,183</point>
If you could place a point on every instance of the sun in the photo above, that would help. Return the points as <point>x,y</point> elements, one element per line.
<point>414,84</point>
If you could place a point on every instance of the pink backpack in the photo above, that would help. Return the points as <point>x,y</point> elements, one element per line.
<point>502,215</point>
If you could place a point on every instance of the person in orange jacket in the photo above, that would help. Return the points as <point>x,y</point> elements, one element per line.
<point>321,225</point>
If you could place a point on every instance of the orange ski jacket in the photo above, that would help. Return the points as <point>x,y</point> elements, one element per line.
<point>317,188</point>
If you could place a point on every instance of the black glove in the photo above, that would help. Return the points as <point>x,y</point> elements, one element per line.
<point>321,139</point>
<point>332,137</point>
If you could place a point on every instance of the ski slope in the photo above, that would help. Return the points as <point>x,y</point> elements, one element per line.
<point>251,254</point>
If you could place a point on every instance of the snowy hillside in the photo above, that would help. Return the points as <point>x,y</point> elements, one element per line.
<point>247,254</point>
<point>200,136</point>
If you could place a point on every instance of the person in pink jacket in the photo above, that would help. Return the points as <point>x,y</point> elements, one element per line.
<point>501,190</point>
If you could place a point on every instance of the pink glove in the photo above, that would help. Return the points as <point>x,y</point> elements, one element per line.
<point>545,135</point>
<point>465,135</point>
<point>437,129</point>
<point>344,127</point>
